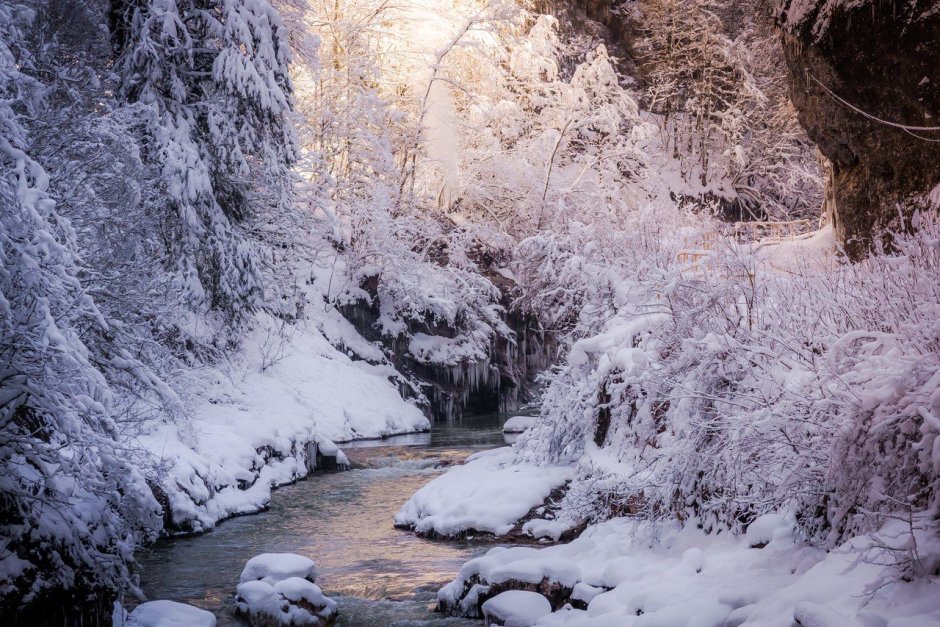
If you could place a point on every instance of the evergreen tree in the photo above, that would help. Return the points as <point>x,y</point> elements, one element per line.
<point>214,75</point>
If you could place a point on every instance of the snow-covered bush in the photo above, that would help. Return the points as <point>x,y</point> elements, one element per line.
<point>753,381</point>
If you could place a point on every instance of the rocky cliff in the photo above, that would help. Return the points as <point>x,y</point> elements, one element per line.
<point>865,79</point>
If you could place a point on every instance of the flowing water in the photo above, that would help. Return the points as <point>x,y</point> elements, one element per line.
<point>379,575</point>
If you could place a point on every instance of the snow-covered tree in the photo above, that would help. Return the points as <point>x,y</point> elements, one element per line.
<point>697,85</point>
<point>71,508</point>
<point>214,76</point>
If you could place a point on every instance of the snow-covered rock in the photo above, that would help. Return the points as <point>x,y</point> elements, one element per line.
<point>770,527</point>
<point>169,614</point>
<point>516,608</point>
<point>489,493</point>
<point>518,424</point>
<point>278,589</point>
<point>540,528</point>
<point>627,573</point>
<point>274,567</point>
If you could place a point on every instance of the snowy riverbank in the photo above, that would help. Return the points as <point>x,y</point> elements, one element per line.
<point>265,421</point>
<point>626,573</point>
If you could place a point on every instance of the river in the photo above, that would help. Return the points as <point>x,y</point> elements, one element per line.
<point>379,575</point>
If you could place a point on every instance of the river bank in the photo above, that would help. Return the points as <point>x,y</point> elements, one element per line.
<point>379,575</point>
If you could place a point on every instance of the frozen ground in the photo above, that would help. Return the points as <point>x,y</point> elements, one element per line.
<point>623,573</point>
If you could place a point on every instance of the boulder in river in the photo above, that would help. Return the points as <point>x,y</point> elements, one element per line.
<point>278,589</point>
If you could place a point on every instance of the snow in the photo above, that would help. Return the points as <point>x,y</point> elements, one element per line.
<point>260,426</point>
<point>273,567</point>
<point>516,608</point>
<point>631,573</point>
<point>488,494</point>
<point>169,614</point>
<point>279,589</point>
<point>541,528</point>
<point>770,527</point>
<point>518,424</point>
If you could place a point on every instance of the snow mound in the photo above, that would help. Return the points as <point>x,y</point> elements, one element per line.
<point>516,608</point>
<point>278,589</point>
<point>518,424</point>
<point>540,528</point>
<point>273,567</point>
<point>769,527</point>
<point>169,614</point>
<point>487,494</point>
<point>629,573</point>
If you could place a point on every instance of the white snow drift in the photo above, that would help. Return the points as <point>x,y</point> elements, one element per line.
<point>516,608</point>
<point>165,614</point>
<point>263,425</point>
<point>487,494</point>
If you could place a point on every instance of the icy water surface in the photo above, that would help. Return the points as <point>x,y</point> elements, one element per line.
<point>379,575</point>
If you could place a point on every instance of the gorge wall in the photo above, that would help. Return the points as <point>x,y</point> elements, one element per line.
<point>850,63</point>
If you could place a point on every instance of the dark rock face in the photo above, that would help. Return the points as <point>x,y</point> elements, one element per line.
<point>503,381</point>
<point>882,58</point>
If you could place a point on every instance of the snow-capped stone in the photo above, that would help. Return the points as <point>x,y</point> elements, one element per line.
<point>540,528</point>
<point>273,567</point>
<point>169,614</point>
<point>585,592</point>
<point>518,424</point>
<point>291,602</point>
<point>516,608</point>
<point>770,527</point>
<point>278,589</point>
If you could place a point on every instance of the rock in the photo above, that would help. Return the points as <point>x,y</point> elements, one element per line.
<point>583,593</point>
<point>468,598</point>
<point>169,614</point>
<point>516,608</point>
<point>879,58</point>
<point>278,589</point>
<point>518,424</point>
<point>291,602</point>
<point>273,567</point>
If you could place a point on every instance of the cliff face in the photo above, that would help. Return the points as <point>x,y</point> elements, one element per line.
<point>881,58</point>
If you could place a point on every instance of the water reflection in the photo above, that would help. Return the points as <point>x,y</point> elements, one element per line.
<point>379,575</point>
